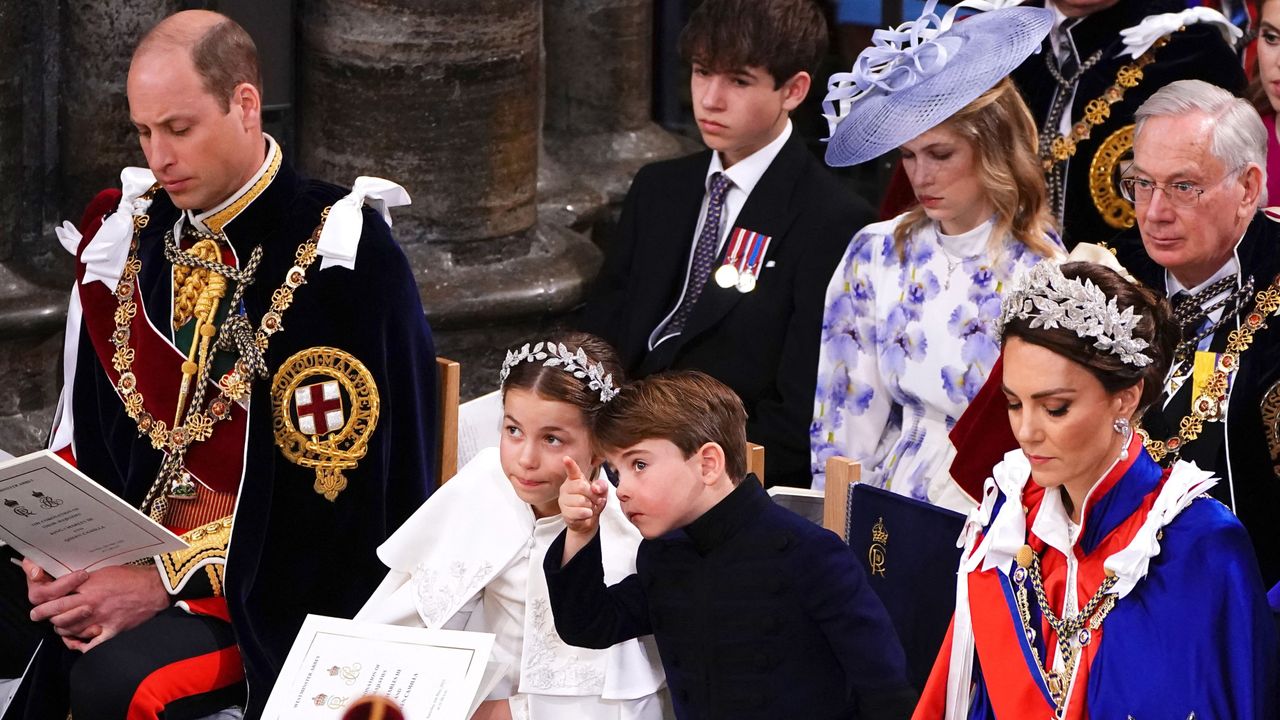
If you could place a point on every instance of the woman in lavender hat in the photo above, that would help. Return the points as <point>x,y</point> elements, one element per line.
<point>908,333</point>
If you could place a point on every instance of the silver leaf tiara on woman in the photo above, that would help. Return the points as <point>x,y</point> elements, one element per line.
<point>1050,300</point>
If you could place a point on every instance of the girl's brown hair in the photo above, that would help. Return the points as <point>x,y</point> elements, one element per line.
<point>553,382</point>
<point>1002,132</point>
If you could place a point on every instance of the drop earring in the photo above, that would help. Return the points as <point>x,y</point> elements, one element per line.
<point>1121,426</point>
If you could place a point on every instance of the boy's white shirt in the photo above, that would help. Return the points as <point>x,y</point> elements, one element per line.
<point>745,174</point>
<point>468,532</point>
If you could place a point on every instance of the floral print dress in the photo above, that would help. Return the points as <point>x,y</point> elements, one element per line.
<point>906,344</point>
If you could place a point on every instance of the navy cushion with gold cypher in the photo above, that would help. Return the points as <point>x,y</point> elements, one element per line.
<point>909,550</point>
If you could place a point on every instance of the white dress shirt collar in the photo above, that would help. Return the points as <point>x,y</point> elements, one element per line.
<point>1230,267</point>
<point>747,172</point>
<point>1061,26</point>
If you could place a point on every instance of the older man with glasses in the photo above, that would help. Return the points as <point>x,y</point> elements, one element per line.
<point>1197,182</point>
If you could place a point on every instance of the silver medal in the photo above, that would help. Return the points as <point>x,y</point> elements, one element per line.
<point>727,276</point>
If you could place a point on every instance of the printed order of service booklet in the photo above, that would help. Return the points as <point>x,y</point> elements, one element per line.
<point>60,519</point>
<point>430,674</point>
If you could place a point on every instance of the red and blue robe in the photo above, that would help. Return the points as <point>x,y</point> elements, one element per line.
<point>1189,633</point>
<point>295,551</point>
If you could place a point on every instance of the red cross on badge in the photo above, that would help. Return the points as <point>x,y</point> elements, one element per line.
<point>319,408</point>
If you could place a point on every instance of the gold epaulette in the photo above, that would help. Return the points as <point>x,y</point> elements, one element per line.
<point>208,550</point>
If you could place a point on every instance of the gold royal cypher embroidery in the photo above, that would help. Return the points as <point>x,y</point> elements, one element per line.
<point>876,555</point>
<point>333,442</point>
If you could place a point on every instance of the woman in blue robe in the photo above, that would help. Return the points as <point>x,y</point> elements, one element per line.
<point>1093,582</point>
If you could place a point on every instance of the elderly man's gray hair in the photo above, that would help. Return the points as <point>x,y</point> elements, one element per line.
<point>1238,136</point>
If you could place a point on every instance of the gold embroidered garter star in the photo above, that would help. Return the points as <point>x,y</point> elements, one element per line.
<point>557,355</point>
<point>1051,300</point>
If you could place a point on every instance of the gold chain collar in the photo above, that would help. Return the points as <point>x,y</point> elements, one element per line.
<point>1210,404</point>
<point>1080,628</point>
<point>1059,147</point>
<point>198,424</point>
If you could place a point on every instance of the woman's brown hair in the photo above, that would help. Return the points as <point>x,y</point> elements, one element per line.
<point>1155,325</point>
<point>1002,132</point>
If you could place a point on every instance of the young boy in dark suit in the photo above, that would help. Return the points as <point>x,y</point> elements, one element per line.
<point>722,257</point>
<point>757,612</point>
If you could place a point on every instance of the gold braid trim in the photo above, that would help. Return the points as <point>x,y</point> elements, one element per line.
<point>208,548</point>
<point>189,283</point>
<point>219,220</point>
<point>216,572</point>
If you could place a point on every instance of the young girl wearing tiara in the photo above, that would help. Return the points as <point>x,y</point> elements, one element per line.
<point>471,557</point>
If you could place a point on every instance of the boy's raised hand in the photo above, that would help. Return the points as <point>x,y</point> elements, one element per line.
<point>581,502</point>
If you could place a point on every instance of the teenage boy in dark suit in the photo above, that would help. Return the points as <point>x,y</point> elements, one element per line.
<point>722,257</point>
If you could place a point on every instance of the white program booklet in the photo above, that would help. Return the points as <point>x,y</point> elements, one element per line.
<point>430,674</point>
<point>804,502</point>
<point>57,517</point>
<point>479,425</point>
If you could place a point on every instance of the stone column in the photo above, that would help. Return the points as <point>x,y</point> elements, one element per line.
<point>598,91</point>
<point>11,94</point>
<point>96,139</point>
<point>32,294</point>
<point>442,96</point>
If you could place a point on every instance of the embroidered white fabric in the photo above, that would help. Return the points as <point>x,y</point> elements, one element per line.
<point>438,596</point>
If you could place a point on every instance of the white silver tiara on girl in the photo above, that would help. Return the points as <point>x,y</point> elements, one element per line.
<point>576,364</point>
<point>1051,300</point>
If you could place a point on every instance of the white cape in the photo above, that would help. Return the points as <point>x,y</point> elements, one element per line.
<point>471,529</point>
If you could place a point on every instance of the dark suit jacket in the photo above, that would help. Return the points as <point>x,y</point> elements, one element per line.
<point>1244,450</point>
<point>762,344</point>
<point>1198,52</point>
<point>757,612</point>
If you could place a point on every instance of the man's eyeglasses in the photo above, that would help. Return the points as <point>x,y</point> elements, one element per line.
<point>1180,194</point>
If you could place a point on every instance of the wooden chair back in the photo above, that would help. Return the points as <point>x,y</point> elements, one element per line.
<point>755,461</point>
<point>448,393</point>
<point>841,473</point>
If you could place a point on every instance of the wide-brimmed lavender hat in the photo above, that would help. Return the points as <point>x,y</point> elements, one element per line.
<point>917,75</point>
